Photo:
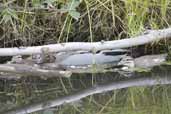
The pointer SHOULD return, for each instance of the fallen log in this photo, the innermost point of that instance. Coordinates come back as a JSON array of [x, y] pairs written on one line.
[[28, 70], [151, 36], [55, 70]]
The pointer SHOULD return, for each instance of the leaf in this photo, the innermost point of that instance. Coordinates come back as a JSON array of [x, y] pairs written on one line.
[[7, 15], [73, 4], [36, 3], [74, 14], [70, 7], [5, 19], [50, 1], [13, 13]]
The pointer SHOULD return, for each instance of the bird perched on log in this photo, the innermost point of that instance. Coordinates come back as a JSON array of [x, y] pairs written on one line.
[[44, 57], [115, 57], [84, 61]]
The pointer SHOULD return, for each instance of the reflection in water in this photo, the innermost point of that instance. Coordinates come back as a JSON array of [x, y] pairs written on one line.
[[127, 100]]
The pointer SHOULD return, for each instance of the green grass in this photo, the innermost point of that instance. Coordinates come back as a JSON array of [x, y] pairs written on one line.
[[98, 20]]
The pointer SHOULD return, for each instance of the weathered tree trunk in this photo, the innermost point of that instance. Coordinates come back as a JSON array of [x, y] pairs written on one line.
[[151, 36]]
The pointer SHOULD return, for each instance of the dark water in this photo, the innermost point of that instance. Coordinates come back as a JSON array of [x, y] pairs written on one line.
[[15, 94]]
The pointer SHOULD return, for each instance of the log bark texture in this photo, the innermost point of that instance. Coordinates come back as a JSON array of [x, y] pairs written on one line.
[[151, 36]]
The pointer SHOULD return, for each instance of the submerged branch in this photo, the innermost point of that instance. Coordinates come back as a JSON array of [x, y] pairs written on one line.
[[25, 70], [141, 81], [154, 35]]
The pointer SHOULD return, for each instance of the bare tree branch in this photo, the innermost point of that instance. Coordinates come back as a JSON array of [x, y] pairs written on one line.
[[141, 81], [154, 35]]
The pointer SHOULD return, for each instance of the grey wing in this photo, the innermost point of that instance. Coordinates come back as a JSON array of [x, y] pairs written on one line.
[[104, 57]]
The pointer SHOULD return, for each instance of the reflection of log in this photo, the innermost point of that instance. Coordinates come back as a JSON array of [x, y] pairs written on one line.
[[142, 81], [153, 35], [25, 70]]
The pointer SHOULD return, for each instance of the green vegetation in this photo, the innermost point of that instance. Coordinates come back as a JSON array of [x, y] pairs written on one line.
[[35, 22]]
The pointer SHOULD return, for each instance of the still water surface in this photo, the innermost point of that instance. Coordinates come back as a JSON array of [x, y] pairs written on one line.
[[25, 92]]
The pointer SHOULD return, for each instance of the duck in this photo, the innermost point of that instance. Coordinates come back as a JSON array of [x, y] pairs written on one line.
[[107, 58]]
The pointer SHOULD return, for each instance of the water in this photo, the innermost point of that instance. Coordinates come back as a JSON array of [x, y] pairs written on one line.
[[28, 91]]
